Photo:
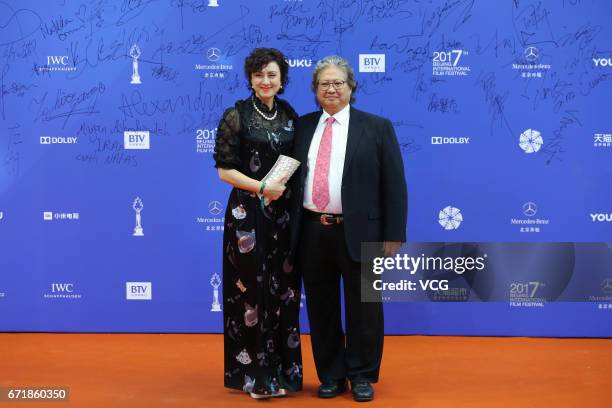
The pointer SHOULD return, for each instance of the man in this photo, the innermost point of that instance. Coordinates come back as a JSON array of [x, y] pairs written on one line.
[[350, 189]]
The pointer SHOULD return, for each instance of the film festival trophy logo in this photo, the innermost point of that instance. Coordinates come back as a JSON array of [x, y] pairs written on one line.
[[135, 54], [215, 281], [137, 206]]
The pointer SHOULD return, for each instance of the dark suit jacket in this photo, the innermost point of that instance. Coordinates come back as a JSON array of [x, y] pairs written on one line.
[[374, 196]]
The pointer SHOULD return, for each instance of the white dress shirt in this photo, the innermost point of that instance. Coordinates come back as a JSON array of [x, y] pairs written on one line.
[[336, 165]]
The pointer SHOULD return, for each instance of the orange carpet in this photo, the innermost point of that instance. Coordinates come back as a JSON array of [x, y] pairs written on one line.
[[186, 370]]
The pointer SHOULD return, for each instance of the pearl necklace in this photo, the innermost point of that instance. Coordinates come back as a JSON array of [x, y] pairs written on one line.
[[262, 114]]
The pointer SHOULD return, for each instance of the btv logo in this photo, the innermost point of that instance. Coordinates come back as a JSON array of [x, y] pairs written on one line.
[[62, 287], [138, 290], [602, 62], [371, 62], [136, 140], [601, 217], [57, 60]]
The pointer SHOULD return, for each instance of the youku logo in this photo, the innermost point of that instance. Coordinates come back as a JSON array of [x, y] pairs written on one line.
[[299, 63], [601, 217], [602, 62]]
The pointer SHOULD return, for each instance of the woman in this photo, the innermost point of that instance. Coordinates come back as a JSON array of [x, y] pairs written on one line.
[[261, 291]]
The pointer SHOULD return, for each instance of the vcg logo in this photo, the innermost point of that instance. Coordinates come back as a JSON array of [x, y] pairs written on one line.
[[299, 63], [57, 60], [62, 287], [602, 62], [138, 291], [601, 217], [136, 140], [371, 62]]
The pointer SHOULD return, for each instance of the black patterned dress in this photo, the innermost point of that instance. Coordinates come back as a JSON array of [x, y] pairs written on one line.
[[261, 291]]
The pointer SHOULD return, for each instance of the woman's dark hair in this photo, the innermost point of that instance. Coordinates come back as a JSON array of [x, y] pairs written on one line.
[[259, 58]]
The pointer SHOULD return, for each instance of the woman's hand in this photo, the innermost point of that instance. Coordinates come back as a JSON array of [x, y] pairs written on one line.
[[274, 189]]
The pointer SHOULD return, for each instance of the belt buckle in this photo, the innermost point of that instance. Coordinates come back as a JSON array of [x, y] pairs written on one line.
[[324, 220]]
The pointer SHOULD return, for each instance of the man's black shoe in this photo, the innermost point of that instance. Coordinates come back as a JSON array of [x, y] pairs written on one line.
[[331, 389], [362, 391]]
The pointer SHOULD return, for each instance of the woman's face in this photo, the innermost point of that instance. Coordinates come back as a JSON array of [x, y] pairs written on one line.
[[267, 82]]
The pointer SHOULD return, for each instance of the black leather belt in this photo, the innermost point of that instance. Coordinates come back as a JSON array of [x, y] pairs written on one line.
[[324, 218]]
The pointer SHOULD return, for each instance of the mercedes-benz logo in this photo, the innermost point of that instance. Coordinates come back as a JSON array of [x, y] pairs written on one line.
[[213, 54], [531, 54], [530, 209], [215, 207], [606, 286]]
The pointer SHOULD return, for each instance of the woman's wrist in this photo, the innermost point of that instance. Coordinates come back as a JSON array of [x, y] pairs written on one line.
[[262, 187]]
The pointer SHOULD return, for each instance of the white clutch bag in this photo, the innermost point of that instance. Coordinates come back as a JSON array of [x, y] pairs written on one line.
[[284, 167]]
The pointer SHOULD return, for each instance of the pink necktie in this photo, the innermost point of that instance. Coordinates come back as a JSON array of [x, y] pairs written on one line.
[[320, 186]]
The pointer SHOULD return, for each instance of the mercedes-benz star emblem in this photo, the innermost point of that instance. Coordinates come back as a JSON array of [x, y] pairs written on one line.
[[530, 209], [531, 54], [215, 207], [606, 286], [213, 54]]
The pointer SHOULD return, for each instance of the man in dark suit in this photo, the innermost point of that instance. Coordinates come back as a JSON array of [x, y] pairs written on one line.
[[349, 189]]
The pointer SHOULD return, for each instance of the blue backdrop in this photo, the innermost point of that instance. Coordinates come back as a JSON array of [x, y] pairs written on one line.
[[501, 109]]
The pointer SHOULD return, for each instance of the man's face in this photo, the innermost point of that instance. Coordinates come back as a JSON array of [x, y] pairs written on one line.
[[333, 93]]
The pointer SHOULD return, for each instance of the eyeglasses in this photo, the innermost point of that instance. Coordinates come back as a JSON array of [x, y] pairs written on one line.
[[324, 86]]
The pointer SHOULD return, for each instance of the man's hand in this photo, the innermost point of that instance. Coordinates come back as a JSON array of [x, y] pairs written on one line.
[[390, 248]]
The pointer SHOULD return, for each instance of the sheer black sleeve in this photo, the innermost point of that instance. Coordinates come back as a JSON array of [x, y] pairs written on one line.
[[227, 145], [291, 113]]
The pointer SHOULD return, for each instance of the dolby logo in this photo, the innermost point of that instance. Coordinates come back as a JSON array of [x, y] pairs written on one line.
[[601, 217], [299, 63], [602, 62], [57, 140], [439, 140]]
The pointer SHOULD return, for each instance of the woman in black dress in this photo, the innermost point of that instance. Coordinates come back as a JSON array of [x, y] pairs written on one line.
[[261, 291]]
